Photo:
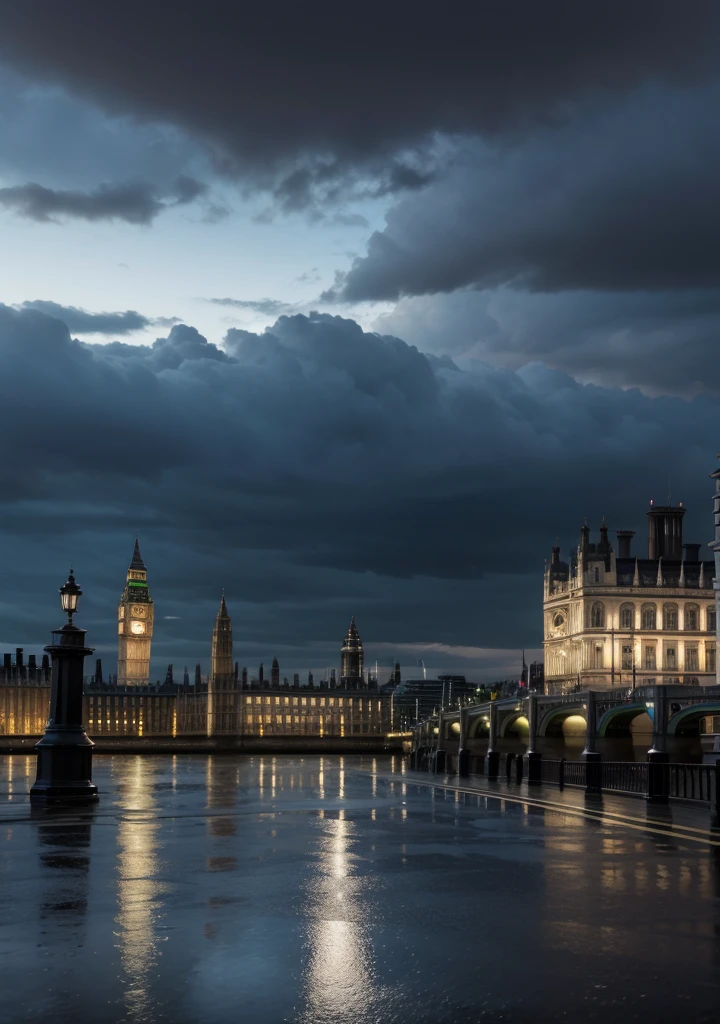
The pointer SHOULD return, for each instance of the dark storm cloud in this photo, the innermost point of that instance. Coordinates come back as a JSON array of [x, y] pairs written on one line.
[[136, 203], [314, 462], [81, 321], [658, 341], [266, 85], [268, 307], [629, 200]]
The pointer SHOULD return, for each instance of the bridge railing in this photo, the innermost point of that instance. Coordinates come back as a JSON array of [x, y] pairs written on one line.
[[695, 782], [692, 782], [624, 776]]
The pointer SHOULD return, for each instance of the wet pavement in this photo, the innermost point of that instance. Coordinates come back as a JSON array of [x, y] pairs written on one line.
[[345, 891]]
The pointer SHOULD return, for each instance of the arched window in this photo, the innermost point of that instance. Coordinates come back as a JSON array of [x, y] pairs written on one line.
[[627, 616], [597, 615], [670, 616], [711, 618], [692, 616], [649, 616]]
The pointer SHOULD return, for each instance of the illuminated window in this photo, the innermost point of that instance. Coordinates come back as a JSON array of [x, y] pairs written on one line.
[[649, 616], [670, 616], [627, 616], [597, 615]]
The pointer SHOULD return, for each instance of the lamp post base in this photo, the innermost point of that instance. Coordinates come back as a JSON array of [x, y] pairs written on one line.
[[64, 769]]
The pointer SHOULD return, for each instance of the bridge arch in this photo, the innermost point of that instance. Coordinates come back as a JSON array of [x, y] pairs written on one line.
[[620, 718], [514, 724], [479, 727], [551, 724], [689, 715]]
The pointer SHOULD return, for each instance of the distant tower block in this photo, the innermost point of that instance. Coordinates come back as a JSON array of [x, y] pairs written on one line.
[[136, 615], [351, 659], [275, 674], [222, 686]]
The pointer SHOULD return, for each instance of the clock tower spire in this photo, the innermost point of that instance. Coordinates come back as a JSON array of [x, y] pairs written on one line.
[[136, 615]]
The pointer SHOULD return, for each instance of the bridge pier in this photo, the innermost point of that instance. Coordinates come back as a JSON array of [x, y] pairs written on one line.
[[463, 765], [591, 757], [658, 791], [492, 757], [533, 760]]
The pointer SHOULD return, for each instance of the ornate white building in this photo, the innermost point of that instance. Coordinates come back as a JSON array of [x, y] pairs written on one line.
[[715, 545], [612, 618]]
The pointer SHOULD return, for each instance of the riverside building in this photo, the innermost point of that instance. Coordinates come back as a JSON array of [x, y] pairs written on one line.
[[616, 618]]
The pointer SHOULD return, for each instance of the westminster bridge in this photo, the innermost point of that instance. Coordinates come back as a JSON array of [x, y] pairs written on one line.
[[576, 738]]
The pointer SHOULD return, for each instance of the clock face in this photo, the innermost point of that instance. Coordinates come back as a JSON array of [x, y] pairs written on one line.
[[137, 628], [138, 611], [559, 625]]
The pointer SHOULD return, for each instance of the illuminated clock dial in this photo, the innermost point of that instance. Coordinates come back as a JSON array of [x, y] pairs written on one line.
[[137, 628]]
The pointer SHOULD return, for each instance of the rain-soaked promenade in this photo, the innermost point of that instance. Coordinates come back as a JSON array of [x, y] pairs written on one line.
[[341, 890]]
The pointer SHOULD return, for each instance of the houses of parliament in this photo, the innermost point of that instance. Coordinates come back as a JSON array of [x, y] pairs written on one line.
[[226, 702]]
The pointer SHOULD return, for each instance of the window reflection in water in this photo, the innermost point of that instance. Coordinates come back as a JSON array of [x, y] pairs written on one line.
[[139, 891]]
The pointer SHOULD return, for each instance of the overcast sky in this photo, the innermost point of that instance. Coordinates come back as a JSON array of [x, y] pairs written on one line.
[[349, 312]]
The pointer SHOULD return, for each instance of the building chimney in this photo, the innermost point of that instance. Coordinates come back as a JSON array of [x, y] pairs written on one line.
[[665, 531], [624, 540], [691, 552]]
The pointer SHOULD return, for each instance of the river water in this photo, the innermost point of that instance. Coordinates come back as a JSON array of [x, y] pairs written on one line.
[[341, 891]]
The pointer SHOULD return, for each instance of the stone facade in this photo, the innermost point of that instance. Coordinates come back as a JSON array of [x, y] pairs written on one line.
[[351, 658], [222, 708], [715, 545], [614, 619], [136, 616]]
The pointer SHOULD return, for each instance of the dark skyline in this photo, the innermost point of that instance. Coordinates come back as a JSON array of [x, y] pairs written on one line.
[[427, 290]]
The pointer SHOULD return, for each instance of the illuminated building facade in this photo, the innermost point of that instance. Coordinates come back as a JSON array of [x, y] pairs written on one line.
[[222, 685], [614, 619], [351, 659], [135, 625], [715, 545]]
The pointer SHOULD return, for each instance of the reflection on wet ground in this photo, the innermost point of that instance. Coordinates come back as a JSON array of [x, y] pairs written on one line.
[[343, 891]]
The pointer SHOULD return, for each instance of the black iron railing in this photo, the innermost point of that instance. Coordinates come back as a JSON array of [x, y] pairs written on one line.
[[624, 776], [692, 781], [552, 772], [575, 773]]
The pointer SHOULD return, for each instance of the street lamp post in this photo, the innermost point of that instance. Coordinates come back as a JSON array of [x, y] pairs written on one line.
[[64, 754]]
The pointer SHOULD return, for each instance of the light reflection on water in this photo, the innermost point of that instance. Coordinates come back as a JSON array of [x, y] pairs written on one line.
[[332, 897], [338, 981], [139, 894]]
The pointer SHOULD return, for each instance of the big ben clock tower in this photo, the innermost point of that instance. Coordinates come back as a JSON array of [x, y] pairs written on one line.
[[135, 625]]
